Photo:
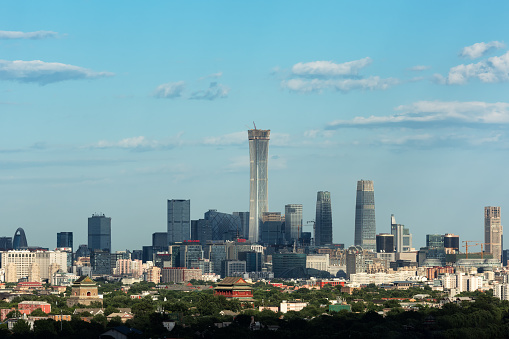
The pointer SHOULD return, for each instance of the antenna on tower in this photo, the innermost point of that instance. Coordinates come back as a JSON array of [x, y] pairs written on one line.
[[254, 125]]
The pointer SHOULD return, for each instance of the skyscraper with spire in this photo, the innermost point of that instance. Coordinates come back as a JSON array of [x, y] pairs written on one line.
[[365, 225], [258, 192]]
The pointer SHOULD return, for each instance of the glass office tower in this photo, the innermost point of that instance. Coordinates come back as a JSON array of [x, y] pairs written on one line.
[[293, 222], [258, 193], [179, 220], [365, 225], [323, 221], [99, 233], [64, 239]]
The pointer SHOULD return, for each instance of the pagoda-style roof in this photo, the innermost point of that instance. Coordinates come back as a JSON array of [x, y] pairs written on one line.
[[84, 280], [232, 281]]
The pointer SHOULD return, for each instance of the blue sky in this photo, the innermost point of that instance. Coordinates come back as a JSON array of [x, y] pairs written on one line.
[[115, 107]]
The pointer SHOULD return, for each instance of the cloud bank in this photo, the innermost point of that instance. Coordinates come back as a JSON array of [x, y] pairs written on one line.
[[437, 113], [215, 91], [44, 73], [491, 70], [317, 76], [170, 90], [8, 35], [480, 49]]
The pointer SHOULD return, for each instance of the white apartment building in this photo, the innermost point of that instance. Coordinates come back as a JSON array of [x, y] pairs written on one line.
[[22, 261], [382, 278], [318, 261]]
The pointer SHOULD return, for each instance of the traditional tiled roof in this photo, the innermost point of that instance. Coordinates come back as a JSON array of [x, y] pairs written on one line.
[[84, 280], [232, 281]]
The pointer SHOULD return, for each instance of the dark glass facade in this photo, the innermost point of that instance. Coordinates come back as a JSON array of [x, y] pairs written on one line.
[[64, 239], [99, 233], [5, 243], [434, 241], [19, 240], [160, 239], [323, 221], [385, 243], [201, 230], [365, 224], [224, 226], [179, 220]]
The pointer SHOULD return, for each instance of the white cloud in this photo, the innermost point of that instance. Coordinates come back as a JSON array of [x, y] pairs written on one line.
[[7, 35], [494, 69], [343, 85], [215, 91], [419, 68], [405, 139], [236, 138], [170, 90], [134, 142], [329, 68], [440, 113], [480, 49], [44, 73], [212, 76]]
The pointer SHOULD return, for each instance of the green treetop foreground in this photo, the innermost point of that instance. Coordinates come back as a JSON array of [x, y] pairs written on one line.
[[198, 312]]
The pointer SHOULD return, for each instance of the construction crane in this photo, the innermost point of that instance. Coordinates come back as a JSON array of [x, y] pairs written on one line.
[[486, 243], [254, 125], [467, 245]]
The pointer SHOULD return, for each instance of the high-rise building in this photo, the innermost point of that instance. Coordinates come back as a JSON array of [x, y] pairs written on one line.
[[402, 236], [434, 240], [365, 225], [5, 243], [179, 220], [271, 228], [64, 239], [201, 230], [160, 239], [244, 223], [19, 241], [224, 226], [99, 233], [258, 192], [385, 243], [451, 243], [293, 222], [323, 221], [493, 231]]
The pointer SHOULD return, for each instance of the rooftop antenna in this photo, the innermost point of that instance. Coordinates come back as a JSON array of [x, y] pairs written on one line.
[[254, 125]]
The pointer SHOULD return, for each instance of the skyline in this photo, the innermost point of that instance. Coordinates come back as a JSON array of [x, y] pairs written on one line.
[[151, 102]]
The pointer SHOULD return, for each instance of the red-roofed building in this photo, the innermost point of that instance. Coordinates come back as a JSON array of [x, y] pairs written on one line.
[[27, 307], [234, 288], [28, 286]]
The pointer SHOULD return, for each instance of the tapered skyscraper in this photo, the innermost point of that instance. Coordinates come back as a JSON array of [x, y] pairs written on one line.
[[365, 226], [493, 231], [323, 221], [258, 193]]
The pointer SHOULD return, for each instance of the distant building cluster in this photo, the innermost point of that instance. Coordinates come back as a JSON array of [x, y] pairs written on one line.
[[263, 244]]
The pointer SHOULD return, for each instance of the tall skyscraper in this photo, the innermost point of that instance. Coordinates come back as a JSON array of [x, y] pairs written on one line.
[[258, 193], [99, 233], [64, 239], [493, 231], [293, 222], [365, 225], [179, 220], [323, 220]]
